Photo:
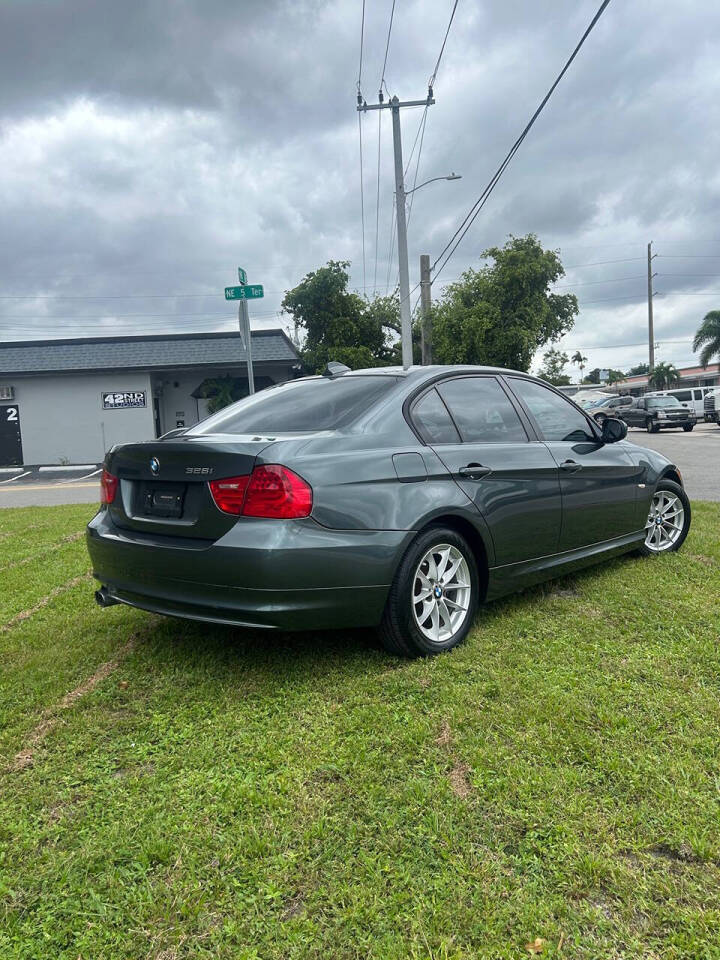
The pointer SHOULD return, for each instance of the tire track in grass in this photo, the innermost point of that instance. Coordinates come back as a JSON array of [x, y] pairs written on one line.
[[52, 715], [51, 548], [55, 592]]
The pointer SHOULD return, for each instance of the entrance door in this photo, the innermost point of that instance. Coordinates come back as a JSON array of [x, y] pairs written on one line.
[[10, 440]]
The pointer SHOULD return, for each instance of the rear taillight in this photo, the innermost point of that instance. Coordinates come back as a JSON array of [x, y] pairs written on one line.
[[229, 494], [108, 487], [271, 491]]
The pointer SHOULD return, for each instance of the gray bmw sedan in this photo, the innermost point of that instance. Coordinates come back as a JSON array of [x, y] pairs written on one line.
[[393, 498]]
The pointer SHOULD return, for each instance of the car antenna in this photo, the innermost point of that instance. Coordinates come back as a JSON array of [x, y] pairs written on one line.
[[334, 369]]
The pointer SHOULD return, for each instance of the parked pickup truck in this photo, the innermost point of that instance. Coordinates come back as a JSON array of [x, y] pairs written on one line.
[[657, 413], [711, 408]]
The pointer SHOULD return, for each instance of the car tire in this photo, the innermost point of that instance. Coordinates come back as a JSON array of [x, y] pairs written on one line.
[[671, 494], [410, 627], [651, 426], [688, 428]]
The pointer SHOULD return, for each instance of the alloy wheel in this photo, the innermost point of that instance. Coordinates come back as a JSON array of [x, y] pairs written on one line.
[[441, 592], [665, 522]]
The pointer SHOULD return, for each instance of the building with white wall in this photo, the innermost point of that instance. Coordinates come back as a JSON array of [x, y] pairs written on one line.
[[68, 401]]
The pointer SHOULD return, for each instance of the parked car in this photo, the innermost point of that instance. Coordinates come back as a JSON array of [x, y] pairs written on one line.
[[658, 413], [692, 398], [392, 498], [711, 407], [602, 409]]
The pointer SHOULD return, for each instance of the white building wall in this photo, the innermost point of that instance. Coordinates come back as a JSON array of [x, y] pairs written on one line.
[[62, 419]]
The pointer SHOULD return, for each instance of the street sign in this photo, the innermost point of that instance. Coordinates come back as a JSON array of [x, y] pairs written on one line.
[[242, 276], [253, 291]]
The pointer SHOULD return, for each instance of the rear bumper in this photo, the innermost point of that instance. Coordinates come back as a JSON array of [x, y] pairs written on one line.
[[290, 575]]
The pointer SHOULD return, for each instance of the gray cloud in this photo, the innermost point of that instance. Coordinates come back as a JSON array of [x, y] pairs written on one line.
[[149, 148]]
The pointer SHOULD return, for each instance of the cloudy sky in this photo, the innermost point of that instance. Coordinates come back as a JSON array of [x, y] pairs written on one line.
[[148, 148]]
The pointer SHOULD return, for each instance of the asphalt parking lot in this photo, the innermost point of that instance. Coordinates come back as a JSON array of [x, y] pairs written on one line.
[[697, 454]]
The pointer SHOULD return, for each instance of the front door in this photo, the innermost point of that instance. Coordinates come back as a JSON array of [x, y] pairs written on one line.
[[10, 439], [512, 480], [599, 481]]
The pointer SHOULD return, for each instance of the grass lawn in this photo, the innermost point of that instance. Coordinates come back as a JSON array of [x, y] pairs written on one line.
[[171, 790]]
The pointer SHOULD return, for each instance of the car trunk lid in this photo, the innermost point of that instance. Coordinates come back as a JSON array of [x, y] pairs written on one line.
[[163, 486]]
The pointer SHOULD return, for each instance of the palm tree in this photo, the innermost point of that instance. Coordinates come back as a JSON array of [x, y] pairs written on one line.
[[708, 337], [664, 376], [579, 360]]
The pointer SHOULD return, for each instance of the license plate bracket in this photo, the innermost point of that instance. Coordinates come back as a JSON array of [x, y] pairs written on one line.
[[164, 502]]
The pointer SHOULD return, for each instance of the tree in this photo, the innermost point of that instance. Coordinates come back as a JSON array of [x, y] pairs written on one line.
[[579, 360], [340, 325], [708, 337], [503, 313], [554, 362], [612, 376], [663, 376], [638, 370]]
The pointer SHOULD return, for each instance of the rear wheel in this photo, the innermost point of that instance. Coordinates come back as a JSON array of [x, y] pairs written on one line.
[[434, 596], [688, 427], [668, 521]]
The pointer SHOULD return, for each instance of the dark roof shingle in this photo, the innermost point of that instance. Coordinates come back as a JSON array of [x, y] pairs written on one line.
[[143, 353]]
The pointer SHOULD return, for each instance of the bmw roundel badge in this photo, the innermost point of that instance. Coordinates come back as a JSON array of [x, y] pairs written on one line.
[[154, 466]]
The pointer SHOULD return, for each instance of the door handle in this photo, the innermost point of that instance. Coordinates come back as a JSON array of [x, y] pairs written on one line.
[[570, 466], [475, 471]]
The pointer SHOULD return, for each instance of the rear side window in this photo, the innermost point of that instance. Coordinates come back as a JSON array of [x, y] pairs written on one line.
[[300, 406], [432, 420], [555, 416], [482, 411]]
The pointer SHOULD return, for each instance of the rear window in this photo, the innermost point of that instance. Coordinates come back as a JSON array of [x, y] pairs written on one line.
[[300, 406]]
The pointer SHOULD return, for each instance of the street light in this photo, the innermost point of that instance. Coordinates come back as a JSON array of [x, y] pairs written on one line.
[[450, 176]]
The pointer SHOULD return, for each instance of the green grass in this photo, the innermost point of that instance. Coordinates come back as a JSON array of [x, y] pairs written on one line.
[[226, 794]]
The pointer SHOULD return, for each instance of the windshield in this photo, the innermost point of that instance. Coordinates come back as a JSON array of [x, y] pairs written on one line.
[[299, 406], [663, 402]]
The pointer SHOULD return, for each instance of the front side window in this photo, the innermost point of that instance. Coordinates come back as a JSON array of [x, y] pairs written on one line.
[[556, 418], [300, 406], [482, 411]]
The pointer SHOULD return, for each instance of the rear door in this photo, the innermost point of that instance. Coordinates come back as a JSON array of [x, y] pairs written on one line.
[[598, 481], [475, 429]]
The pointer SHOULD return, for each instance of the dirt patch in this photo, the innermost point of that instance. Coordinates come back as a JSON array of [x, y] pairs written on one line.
[[459, 782], [293, 907], [708, 561], [53, 716], [444, 738], [26, 614]]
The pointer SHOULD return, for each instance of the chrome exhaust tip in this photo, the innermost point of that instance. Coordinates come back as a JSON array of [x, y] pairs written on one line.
[[103, 598]]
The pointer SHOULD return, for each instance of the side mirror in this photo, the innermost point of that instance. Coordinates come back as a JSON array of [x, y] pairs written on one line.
[[613, 430]]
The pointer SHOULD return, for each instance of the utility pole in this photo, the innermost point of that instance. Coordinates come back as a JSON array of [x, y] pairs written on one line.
[[426, 323], [244, 321], [651, 329], [395, 105]]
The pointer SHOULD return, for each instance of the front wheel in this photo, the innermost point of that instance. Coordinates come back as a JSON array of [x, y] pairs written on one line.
[[688, 427], [651, 426], [668, 521], [434, 596]]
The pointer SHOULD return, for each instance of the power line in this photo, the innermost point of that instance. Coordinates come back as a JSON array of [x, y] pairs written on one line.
[[377, 206], [387, 47], [431, 81], [362, 186], [600, 263], [459, 234], [417, 164], [362, 196], [592, 283]]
